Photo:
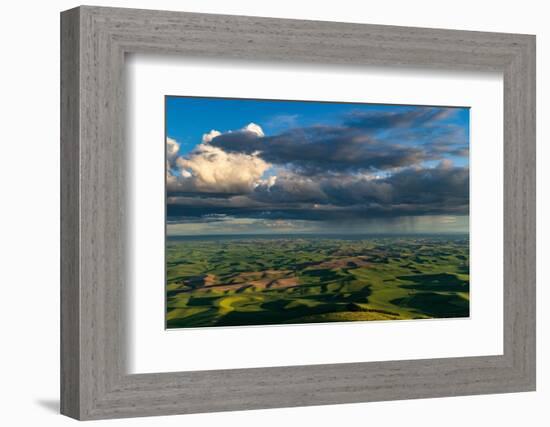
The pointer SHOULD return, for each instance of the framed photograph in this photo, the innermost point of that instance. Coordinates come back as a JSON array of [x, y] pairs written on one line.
[[332, 213], [262, 213]]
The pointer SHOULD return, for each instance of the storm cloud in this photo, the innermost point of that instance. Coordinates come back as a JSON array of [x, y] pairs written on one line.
[[387, 163], [411, 192], [364, 142]]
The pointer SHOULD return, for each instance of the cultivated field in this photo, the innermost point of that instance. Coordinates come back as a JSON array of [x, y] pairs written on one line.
[[306, 279]]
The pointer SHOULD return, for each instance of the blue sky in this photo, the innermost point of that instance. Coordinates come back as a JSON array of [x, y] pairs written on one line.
[[188, 118], [259, 166]]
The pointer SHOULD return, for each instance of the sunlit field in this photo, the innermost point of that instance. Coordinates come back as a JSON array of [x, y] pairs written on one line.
[[261, 280]]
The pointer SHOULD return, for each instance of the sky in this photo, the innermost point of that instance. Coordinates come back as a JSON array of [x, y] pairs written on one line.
[[245, 166]]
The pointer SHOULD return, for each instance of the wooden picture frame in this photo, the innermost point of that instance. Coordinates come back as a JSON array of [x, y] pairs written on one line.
[[94, 381]]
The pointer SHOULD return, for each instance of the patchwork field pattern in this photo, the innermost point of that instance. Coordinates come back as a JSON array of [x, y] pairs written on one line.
[[261, 280]]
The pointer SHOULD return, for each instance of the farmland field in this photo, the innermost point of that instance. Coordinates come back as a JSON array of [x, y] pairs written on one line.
[[260, 280]]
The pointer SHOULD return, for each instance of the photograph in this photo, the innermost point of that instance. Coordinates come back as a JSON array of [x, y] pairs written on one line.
[[314, 212], [287, 212]]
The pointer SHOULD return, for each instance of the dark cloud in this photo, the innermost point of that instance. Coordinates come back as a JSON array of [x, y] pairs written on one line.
[[322, 149], [373, 165], [366, 141], [413, 118], [410, 192]]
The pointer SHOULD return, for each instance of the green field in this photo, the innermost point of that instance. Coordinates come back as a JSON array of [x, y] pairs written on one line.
[[308, 279]]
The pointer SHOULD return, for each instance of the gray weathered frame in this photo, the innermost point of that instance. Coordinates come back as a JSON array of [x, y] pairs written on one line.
[[94, 41]]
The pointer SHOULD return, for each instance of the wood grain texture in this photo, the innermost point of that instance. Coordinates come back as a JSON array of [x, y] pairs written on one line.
[[95, 383], [70, 297]]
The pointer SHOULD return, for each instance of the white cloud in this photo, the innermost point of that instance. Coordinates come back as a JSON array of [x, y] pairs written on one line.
[[172, 148], [208, 137], [268, 182], [254, 128], [210, 169], [170, 178], [251, 127]]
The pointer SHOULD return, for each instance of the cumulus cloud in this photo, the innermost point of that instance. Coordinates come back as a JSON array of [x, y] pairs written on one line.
[[442, 190], [266, 183], [372, 165], [251, 130], [321, 149], [208, 137], [172, 148], [210, 169], [254, 128], [289, 188], [365, 141]]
